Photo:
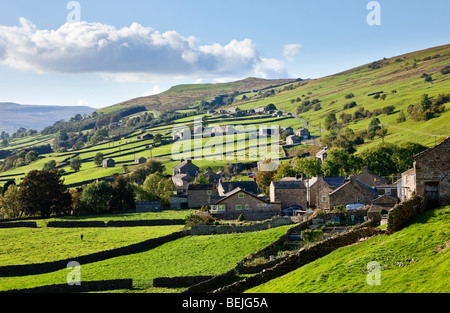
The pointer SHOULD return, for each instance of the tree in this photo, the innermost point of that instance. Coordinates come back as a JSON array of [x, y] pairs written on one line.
[[330, 121], [123, 195], [50, 165], [309, 167], [285, 170], [11, 204], [271, 107], [98, 159], [157, 188], [96, 198], [158, 139], [75, 164], [340, 163], [380, 159], [425, 103], [264, 179], [44, 193], [31, 156]]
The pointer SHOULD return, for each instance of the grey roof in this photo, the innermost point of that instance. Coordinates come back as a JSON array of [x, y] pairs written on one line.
[[235, 191], [249, 186], [185, 164], [200, 187], [293, 184]]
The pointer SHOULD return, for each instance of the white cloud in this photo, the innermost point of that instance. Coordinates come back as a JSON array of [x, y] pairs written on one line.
[[290, 51], [82, 102], [129, 54]]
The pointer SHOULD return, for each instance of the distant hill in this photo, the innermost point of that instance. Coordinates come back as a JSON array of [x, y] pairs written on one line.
[[185, 96], [14, 116]]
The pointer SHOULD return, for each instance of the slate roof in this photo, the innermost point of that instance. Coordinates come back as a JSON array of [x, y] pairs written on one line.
[[293, 184], [248, 186]]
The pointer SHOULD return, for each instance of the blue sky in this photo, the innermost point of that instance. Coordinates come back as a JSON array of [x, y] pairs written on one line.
[[127, 49]]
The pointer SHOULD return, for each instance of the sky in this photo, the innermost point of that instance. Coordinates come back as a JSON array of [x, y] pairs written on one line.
[[99, 53]]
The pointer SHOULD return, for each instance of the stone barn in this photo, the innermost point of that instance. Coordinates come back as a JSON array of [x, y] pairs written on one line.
[[109, 163], [431, 176]]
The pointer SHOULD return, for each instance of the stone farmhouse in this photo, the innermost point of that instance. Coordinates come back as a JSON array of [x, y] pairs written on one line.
[[303, 133], [322, 155], [430, 176], [199, 195], [319, 189], [353, 191], [186, 167], [239, 201], [293, 140], [248, 186], [289, 193]]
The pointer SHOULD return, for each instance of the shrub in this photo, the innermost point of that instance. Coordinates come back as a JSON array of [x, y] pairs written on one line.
[[241, 218], [445, 70], [311, 236], [199, 218], [388, 110]]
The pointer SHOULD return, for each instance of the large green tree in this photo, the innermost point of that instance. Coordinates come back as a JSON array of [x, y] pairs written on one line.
[[43, 192], [96, 198]]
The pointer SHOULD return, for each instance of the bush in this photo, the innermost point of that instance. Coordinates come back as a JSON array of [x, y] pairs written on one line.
[[199, 218], [445, 70], [241, 218], [311, 236]]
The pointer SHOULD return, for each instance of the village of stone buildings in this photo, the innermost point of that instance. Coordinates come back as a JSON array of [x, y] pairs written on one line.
[[364, 196]]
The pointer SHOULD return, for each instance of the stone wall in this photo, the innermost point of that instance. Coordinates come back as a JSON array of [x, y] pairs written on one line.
[[76, 224], [88, 286], [19, 225], [179, 282], [403, 212], [200, 230]]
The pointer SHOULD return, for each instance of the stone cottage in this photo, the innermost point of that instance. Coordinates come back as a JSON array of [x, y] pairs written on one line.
[[352, 192], [369, 178], [224, 187], [289, 193], [319, 189], [303, 133], [239, 201], [293, 140], [186, 167], [199, 195], [430, 176]]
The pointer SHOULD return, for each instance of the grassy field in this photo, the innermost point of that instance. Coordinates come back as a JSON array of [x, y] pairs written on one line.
[[414, 260], [194, 255]]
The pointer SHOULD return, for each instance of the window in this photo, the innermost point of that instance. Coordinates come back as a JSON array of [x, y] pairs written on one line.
[[241, 196], [247, 207], [209, 192], [388, 192], [324, 199], [238, 207]]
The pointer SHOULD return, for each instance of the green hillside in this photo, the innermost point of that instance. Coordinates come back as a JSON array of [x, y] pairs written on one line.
[[400, 78], [414, 260], [185, 96]]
